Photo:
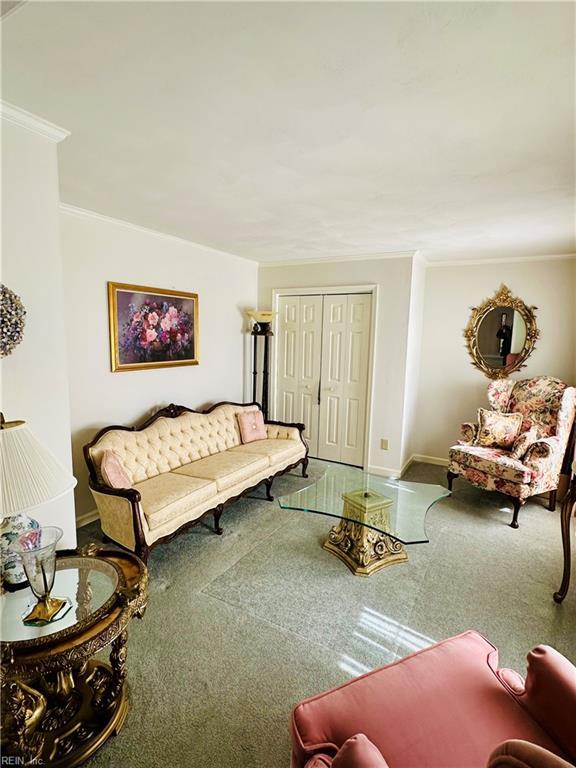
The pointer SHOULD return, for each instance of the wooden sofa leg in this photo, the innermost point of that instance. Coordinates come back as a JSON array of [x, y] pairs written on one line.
[[305, 467], [517, 504], [217, 514], [268, 484], [451, 477], [143, 552], [552, 500]]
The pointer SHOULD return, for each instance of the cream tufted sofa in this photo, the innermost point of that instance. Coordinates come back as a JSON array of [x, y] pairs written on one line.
[[184, 465]]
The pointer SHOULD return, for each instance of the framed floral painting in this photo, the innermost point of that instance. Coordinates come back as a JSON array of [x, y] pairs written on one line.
[[151, 327]]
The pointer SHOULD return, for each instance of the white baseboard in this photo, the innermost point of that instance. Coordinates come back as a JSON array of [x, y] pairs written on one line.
[[389, 472], [429, 459], [407, 464], [87, 517], [384, 471]]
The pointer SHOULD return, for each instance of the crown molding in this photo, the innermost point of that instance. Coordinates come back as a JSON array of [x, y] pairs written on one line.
[[84, 213], [32, 123], [8, 8], [418, 255], [501, 260], [420, 258], [333, 259]]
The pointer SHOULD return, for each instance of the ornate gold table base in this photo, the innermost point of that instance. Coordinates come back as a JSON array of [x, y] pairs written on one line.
[[363, 549], [62, 719], [59, 704]]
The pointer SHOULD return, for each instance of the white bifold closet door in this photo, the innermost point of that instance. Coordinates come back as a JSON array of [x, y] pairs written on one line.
[[298, 363], [344, 378], [322, 371]]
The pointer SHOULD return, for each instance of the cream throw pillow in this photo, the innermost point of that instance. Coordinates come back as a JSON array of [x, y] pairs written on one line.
[[498, 430]]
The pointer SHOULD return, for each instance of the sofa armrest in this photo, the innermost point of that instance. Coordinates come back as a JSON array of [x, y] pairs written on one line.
[[542, 449], [356, 752], [276, 432], [322, 723], [131, 494], [550, 696], [468, 432], [120, 514], [281, 430], [516, 753]]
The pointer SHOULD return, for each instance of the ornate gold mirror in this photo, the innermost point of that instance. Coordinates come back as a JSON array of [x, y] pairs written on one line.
[[501, 334]]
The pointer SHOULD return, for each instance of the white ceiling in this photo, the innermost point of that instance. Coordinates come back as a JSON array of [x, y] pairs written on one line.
[[282, 131]]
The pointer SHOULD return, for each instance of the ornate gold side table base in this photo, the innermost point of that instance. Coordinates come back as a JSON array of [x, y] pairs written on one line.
[[59, 704], [75, 713], [364, 550]]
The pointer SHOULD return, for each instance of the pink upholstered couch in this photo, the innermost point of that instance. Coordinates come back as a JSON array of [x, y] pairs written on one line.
[[448, 706]]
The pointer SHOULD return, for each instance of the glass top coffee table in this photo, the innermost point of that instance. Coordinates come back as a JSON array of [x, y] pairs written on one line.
[[377, 515]]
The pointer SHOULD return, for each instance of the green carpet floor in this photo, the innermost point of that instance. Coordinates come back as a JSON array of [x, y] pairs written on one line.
[[239, 627]]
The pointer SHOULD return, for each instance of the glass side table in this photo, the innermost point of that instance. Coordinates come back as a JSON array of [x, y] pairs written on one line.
[[59, 705]]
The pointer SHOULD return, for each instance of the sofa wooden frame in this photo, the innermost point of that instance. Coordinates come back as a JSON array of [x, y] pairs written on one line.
[[142, 548]]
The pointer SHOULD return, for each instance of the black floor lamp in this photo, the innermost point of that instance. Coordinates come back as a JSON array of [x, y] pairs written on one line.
[[261, 329]]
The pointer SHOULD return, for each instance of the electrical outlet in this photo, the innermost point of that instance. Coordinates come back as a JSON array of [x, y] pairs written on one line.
[[384, 444]]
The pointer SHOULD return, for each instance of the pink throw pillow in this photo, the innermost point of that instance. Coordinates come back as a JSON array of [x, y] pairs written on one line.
[[252, 426], [359, 752], [113, 473]]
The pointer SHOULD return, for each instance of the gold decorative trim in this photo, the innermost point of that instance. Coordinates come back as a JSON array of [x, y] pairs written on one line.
[[115, 363], [58, 705], [502, 298], [65, 562], [364, 550]]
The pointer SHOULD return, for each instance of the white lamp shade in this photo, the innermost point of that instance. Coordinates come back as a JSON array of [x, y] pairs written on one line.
[[29, 474]]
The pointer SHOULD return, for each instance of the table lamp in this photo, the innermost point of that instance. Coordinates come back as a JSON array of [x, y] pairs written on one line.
[[30, 476]]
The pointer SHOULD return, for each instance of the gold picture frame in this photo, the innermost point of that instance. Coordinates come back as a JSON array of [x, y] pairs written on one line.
[[502, 299], [151, 327]]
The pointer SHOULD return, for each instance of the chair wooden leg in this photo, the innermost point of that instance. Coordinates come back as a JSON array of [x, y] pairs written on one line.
[[451, 477], [517, 504], [568, 510], [268, 484], [552, 500]]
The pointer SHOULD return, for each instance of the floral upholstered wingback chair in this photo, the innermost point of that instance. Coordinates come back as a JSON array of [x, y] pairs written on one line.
[[518, 447]]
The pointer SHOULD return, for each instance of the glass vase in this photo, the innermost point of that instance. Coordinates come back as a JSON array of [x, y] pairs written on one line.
[[37, 550]]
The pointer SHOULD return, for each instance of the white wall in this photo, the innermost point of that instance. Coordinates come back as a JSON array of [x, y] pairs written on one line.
[[97, 250], [574, 316], [450, 389], [35, 376], [413, 357], [393, 278]]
